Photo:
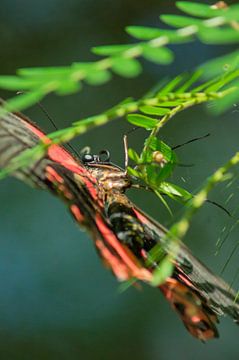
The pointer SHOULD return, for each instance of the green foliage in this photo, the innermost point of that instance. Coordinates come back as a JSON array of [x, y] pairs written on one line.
[[162, 272], [217, 80], [160, 107], [207, 23], [206, 11], [161, 55], [142, 121], [180, 228], [153, 110], [126, 67]]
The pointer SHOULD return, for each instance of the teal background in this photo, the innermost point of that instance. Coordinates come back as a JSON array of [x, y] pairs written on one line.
[[56, 299]]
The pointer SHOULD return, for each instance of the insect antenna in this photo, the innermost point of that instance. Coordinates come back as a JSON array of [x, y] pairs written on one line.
[[189, 165], [47, 115], [55, 127], [39, 104], [219, 206], [190, 141]]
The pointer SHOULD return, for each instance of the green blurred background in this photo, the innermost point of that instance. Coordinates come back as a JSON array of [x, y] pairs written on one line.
[[56, 299]]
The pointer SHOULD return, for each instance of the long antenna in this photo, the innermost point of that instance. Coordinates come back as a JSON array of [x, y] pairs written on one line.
[[190, 141], [47, 115], [54, 125], [219, 206]]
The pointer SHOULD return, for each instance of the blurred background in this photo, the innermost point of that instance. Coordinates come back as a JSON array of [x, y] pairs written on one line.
[[56, 299]]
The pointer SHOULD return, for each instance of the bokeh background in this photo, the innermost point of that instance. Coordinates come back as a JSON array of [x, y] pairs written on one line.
[[56, 299]]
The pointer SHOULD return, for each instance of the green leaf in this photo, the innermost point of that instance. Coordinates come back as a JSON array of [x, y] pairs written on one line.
[[231, 13], [153, 110], [157, 174], [108, 50], [157, 253], [133, 172], [146, 154], [218, 36], [23, 101], [226, 103], [142, 121], [159, 55], [157, 193], [143, 33], [175, 191], [196, 9], [157, 171], [17, 83], [171, 85], [68, 86], [133, 155], [126, 284], [126, 67], [205, 85], [45, 72], [223, 80], [98, 77], [180, 21], [163, 271], [220, 64], [217, 83], [189, 82], [158, 145], [205, 11], [167, 171], [150, 33]]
